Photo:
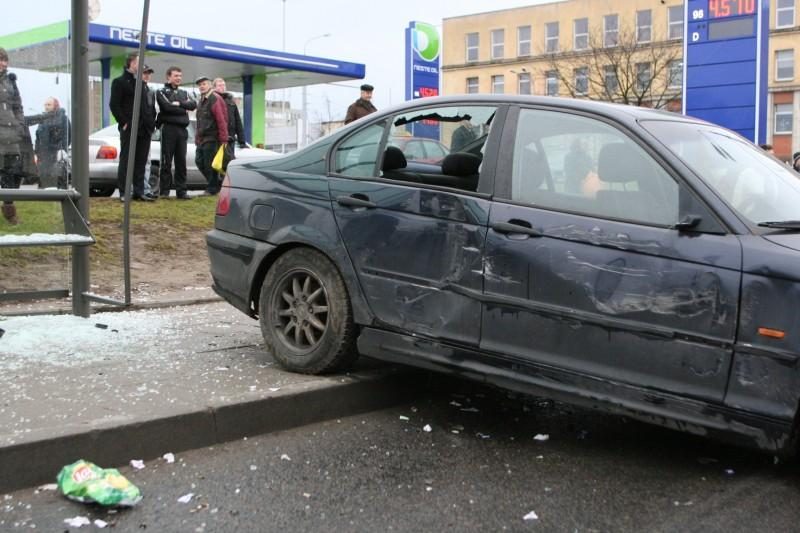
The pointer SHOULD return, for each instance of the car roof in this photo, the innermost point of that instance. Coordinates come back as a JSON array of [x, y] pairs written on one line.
[[619, 111]]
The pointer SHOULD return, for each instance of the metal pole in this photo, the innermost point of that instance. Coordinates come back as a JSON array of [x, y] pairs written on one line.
[[79, 44], [134, 126]]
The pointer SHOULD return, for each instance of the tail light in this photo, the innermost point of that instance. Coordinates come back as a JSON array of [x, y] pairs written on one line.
[[224, 198], [107, 152]]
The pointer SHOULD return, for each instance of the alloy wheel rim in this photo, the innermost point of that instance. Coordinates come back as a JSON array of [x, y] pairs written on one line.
[[300, 306]]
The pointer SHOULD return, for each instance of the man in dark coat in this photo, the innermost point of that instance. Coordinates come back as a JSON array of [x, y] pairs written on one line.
[[361, 107], [235, 126], [463, 135], [14, 136], [52, 137], [174, 105], [123, 92], [212, 132]]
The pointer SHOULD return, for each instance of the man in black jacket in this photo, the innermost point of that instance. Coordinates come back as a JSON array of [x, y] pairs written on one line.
[[174, 105], [123, 91], [235, 127]]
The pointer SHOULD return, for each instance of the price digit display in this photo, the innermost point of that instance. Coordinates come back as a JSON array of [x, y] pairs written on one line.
[[730, 8]]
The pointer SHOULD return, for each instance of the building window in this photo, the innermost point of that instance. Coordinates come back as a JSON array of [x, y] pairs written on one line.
[[611, 80], [551, 37], [643, 77], [582, 81], [675, 73], [472, 46], [581, 31], [524, 83], [784, 65], [551, 83], [610, 30], [524, 41], [498, 84], [472, 85], [675, 22], [783, 119], [784, 14], [498, 43], [644, 26]]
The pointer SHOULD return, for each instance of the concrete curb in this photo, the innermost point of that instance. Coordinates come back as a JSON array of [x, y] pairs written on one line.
[[37, 462]]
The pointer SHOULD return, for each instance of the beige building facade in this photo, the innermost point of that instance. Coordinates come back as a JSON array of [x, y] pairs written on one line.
[[557, 49]]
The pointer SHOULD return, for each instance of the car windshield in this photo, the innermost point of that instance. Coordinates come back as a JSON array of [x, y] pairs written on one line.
[[757, 186]]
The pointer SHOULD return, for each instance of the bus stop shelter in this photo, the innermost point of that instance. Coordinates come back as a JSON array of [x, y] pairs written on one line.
[[85, 50], [248, 70]]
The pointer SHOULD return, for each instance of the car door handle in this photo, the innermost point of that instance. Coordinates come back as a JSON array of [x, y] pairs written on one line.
[[356, 200], [516, 226]]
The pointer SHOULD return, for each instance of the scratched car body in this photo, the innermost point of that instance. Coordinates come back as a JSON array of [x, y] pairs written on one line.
[[622, 258]]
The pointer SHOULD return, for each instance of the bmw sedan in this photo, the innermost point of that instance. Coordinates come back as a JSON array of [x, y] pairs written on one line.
[[622, 258]]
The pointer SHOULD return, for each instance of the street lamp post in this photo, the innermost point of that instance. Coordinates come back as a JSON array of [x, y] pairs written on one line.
[[304, 138]]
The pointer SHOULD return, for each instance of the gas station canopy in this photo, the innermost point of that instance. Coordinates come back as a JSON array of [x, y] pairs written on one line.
[[251, 71], [45, 49]]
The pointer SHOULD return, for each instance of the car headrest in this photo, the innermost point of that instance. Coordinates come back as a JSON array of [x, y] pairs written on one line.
[[621, 163], [393, 159], [461, 164]]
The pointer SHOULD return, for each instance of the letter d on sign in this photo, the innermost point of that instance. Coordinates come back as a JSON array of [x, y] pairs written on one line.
[[695, 37]]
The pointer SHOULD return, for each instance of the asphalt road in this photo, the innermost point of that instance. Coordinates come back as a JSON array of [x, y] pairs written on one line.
[[479, 468]]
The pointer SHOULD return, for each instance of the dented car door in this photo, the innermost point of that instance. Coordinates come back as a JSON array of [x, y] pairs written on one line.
[[416, 247], [589, 268]]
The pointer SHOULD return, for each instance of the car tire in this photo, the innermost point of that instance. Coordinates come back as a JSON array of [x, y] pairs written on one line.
[[102, 191], [305, 314]]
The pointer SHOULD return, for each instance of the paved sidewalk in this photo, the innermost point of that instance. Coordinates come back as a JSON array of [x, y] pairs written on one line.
[[138, 384]]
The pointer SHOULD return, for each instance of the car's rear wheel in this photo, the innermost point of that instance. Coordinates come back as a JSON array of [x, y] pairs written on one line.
[[305, 314]]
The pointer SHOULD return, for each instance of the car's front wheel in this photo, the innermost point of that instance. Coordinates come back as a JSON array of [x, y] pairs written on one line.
[[305, 314]]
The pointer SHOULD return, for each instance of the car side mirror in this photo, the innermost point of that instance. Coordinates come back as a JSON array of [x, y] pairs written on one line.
[[688, 222]]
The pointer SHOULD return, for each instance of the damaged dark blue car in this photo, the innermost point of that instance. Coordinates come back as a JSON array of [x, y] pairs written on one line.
[[621, 258]]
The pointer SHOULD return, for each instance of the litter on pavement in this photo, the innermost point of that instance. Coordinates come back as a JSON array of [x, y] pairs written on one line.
[[169, 457], [186, 498], [531, 516], [88, 483]]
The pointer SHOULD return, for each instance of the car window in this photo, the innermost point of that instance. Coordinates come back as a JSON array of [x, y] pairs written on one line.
[[414, 150], [434, 150], [438, 146], [757, 186], [574, 163], [357, 156]]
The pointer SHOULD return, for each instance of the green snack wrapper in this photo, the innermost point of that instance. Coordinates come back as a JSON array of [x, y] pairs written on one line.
[[86, 482]]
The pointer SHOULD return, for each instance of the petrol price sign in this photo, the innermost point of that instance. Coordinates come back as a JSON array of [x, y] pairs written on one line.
[[725, 64]]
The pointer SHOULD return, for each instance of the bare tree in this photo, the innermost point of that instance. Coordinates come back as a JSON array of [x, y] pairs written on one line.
[[619, 67]]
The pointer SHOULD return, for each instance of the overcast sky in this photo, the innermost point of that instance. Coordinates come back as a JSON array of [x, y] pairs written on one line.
[[369, 32]]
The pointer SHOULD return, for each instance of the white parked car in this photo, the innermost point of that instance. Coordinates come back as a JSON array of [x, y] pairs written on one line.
[[104, 149]]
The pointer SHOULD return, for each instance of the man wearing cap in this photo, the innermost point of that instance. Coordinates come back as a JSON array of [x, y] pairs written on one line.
[[361, 107], [123, 91], [148, 118], [212, 131]]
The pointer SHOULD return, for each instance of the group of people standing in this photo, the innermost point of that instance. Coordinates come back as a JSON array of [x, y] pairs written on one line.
[[167, 109], [16, 147]]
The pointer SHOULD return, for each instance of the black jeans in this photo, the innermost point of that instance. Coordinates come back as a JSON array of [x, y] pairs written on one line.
[[173, 148], [203, 157], [139, 161], [11, 172]]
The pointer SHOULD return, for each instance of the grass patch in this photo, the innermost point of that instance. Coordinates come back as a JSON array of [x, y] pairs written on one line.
[[161, 226]]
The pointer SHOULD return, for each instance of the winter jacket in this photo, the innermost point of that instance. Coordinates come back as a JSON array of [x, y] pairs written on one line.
[[235, 127], [52, 133], [358, 109], [168, 112], [121, 104], [12, 120], [212, 120]]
